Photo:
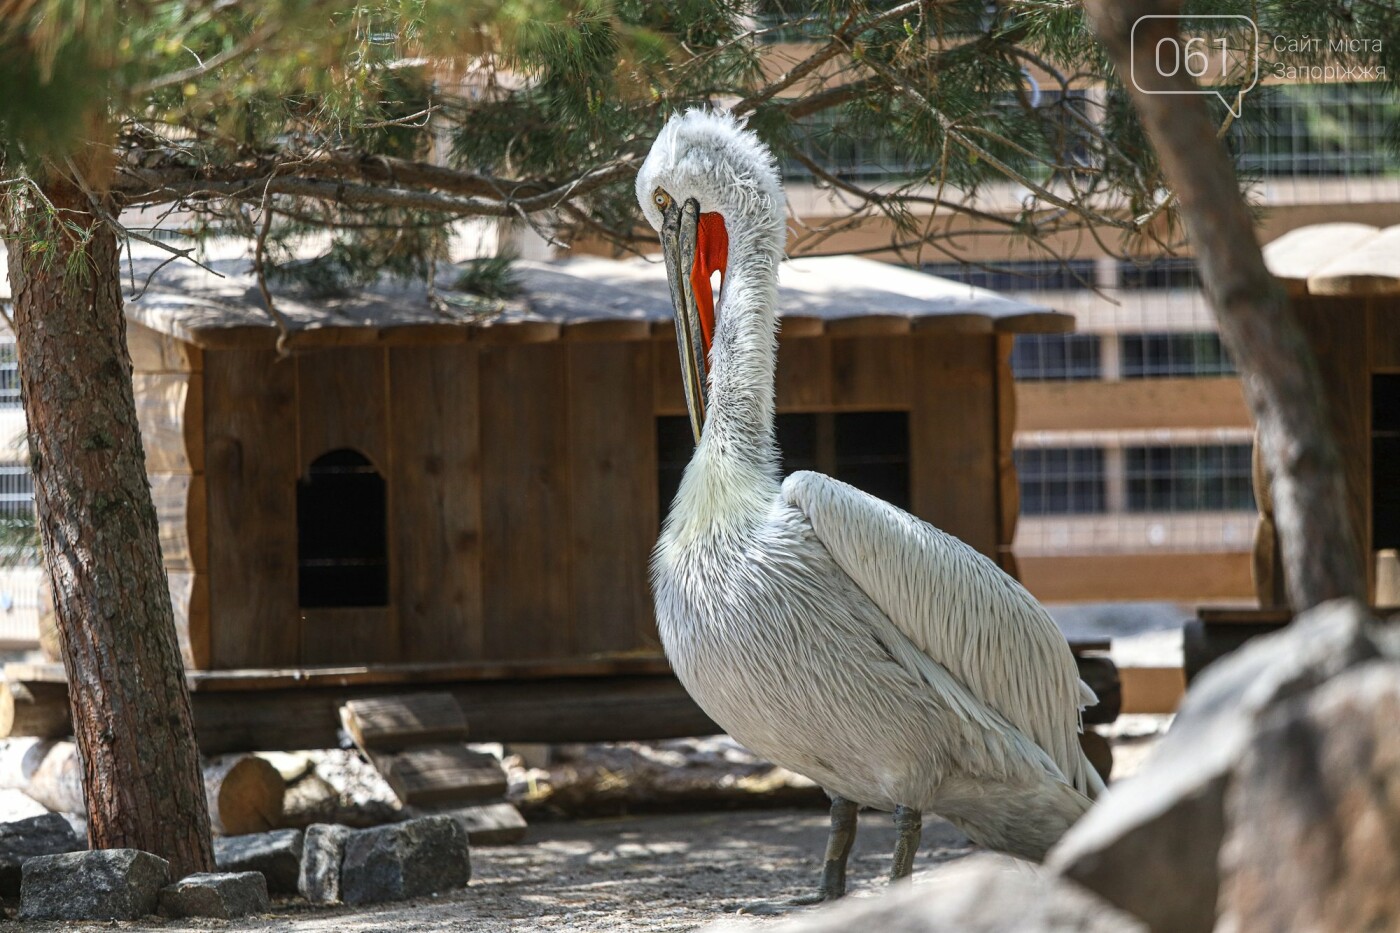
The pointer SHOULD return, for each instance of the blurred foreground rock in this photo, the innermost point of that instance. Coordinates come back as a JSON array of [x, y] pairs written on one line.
[[1314, 813], [1151, 845], [978, 894]]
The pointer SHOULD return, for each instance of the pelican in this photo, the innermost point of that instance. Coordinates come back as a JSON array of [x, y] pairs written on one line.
[[827, 630]]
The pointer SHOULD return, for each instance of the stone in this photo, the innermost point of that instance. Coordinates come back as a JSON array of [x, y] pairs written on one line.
[[222, 895], [104, 884], [276, 854], [321, 855], [1313, 814], [982, 893], [410, 859], [49, 834], [1151, 844]]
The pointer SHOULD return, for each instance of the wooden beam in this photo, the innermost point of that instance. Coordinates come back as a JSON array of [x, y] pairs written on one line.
[[1131, 404], [1181, 577]]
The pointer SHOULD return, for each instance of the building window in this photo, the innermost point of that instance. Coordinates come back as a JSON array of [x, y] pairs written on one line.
[[1056, 356], [869, 450], [342, 539], [1189, 478], [9, 373], [1019, 276], [1317, 129], [1061, 480], [1154, 356], [1164, 273]]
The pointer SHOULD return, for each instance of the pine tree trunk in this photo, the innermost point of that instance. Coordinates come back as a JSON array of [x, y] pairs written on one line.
[[1277, 366], [131, 708]]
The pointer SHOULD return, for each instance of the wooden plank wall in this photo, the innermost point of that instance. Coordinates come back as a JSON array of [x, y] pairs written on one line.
[[250, 419], [953, 437], [168, 378]]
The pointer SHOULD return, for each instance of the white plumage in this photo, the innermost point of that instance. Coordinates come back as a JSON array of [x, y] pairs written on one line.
[[823, 628]]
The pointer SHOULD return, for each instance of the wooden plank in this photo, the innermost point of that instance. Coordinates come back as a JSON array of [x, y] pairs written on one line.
[[390, 724], [804, 374], [1152, 689], [346, 634], [667, 392], [1132, 404], [491, 824], [189, 597], [1244, 615], [953, 437], [868, 325], [342, 402], [181, 510], [154, 352], [441, 774], [1383, 313], [435, 495], [612, 500], [170, 411], [871, 373], [1008, 484], [525, 501], [1337, 331], [1181, 577], [250, 430]]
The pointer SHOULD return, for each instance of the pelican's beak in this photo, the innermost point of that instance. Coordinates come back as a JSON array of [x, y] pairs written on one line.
[[679, 234], [696, 246]]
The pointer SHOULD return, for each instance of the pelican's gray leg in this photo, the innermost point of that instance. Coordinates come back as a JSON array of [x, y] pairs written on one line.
[[838, 850], [909, 824]]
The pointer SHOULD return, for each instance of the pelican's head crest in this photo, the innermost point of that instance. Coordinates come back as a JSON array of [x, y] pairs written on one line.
[[709, 156]]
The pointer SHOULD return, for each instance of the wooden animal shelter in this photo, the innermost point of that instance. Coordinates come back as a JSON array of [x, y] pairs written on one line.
[[417, 493], [1344, 290]]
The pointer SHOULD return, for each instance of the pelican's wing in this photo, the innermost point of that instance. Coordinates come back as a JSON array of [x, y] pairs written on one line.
[[960, 609]]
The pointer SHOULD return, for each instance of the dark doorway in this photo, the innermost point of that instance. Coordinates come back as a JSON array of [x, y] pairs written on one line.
[[342, 540]]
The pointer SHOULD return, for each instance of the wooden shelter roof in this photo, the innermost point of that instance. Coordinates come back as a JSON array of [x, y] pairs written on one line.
[[580, 298], [1337, 259]]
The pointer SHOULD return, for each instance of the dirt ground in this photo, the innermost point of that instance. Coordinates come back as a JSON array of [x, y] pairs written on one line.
[[658, 874]]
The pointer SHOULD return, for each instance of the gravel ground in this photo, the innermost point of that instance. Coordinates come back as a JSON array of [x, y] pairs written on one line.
[[657, 873]]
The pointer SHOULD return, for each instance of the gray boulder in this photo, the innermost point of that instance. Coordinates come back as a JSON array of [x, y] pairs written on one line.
[[403, 860], [48, 834], [1313, 815], [1151, 844], [223, 895], [321, 855], [979, 894], [276, 854], [104, 884]]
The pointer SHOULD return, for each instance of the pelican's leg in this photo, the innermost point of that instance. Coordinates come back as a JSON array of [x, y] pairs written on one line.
[[838, 850], [909, 824]]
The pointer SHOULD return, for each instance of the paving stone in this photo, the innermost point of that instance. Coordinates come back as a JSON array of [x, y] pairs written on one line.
[[321, 855], [403, 860], [49, 834], [276, 854], [104, 884], [223, 895]]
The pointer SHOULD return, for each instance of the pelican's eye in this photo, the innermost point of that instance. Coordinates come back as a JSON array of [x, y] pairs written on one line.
[[661, 199]]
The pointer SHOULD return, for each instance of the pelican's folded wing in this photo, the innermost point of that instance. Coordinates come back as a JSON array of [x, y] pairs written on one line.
[[960, 609]]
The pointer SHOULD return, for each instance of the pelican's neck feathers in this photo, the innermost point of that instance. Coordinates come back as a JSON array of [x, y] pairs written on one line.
[[732, 480]]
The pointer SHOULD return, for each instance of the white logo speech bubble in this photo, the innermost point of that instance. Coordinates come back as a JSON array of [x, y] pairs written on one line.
[[1193, 54]]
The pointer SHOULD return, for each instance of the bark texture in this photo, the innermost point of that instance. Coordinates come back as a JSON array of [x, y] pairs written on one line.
[[1277, 366], [131, 709]]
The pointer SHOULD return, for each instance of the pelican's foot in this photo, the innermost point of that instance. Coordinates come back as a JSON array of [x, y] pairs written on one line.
[[773, 908]]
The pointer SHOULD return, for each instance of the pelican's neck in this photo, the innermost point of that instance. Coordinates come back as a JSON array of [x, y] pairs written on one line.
[[733, 476]]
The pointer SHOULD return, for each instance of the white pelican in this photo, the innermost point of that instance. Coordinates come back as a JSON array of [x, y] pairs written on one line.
[[825, 629]]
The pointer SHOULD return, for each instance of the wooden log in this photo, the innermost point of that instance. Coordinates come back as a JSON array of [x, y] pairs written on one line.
[[439, 774], [563, 709], [50, 772], [245, 795], [387, 724], [35, 709]]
